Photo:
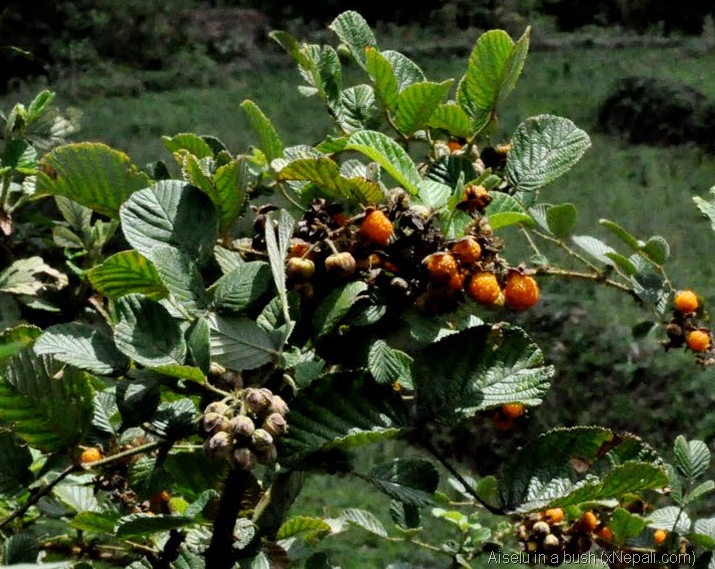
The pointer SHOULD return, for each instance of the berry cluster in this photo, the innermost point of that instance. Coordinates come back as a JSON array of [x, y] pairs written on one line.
[[231, 427], [685, 328]]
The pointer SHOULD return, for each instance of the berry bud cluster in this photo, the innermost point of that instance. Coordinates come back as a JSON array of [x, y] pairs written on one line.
[[244, 430]]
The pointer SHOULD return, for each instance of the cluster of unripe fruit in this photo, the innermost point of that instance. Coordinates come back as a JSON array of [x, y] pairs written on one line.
[[396, 247], [244, 430], [684, 328]]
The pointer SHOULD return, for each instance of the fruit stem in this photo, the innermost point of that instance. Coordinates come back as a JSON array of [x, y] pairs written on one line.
[[596, 277]]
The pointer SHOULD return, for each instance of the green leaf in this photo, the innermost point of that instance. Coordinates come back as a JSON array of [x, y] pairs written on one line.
[[147, 333], [47, 404], [189, 142], [692, 458], [340, 411], [231, 184], [669, 518], [365, 520], [543, 148], [105, 416], [95, 522], [198, 342], [305, 528], [625, 525], [92, 174], [30, 276], [82, 346], [406, 71], [656, 249], [189, 373], [561, 219], [170, 212], [240, 343], [77, 497], [21, 550], [137, 400], [144, 524], [357, 109], [502, 365], [271, 144], [277, 243], [699, 491], [176, 420], [451, 118], [621, 233], [594, 248], [411, 482], [707, 208], [704, 527], [434, 194], [388, 365], [336, 305], [125, 273], [238, 290], [181, 277], [15, 462], [504, 210], [14, 340], [389, 155], [569, 466], [355, 33], [326, 174], [417, 102], [383, 77], [492, 71]]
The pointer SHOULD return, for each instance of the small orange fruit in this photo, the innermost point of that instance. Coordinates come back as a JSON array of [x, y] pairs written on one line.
[[521, 291], [686, 301], [376, 227], [605, 533], [698, 340], [553, 516], [484, 287], [441, 267], [589, 521], [454, 146], [659, 536], [512, 410], [456, 282], [92, 454], [467, 250]]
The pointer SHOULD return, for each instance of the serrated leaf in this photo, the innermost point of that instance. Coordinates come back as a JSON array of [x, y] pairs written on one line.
[[189, 142], [226, 259], [543, 148], [434, 194], [92, 174], [357, 109], [625, 525], [189, 474], [277, 243], [389, 155], [412, 482], [335, 306], [84, 347], [47, 404], [451, 118], [561, 219], [15, 462], [20, 551], [417, 102], [692, 458], [406, 71], [240, 343], [176, 420], [621, 233], [705, 527], [492, 71], [147, 333], [594, 248], [669, 518], [198, 342], [303, 527], [388, 365], [181, 277], [78, 497], [173, 213], [699, 491], [355, 33], [231, 184], [144, 524], [14, 340], [383, 77], [341, 411], [124, 273], [568, 466], [505, 210], [364, 519], [656, 249], [95, 522], [270, 141], [502, 365], [105, 417], [237, 290]]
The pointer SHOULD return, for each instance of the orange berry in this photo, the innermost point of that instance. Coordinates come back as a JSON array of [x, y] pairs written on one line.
[[484, 288], [605, 533], [376, 227], [91, 454], [686, 301], [521, 292], [553, 515], [698, 340], [502, 423], [467, 250], [440, 266], [589, 521], [454, 146], [456, 282], [659, 536], [512, 410]]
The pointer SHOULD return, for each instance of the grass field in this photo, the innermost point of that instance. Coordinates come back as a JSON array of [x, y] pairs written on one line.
[[648, 190]]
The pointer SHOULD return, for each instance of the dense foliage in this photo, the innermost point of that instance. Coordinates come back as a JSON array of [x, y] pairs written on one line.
[[182, 346]]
